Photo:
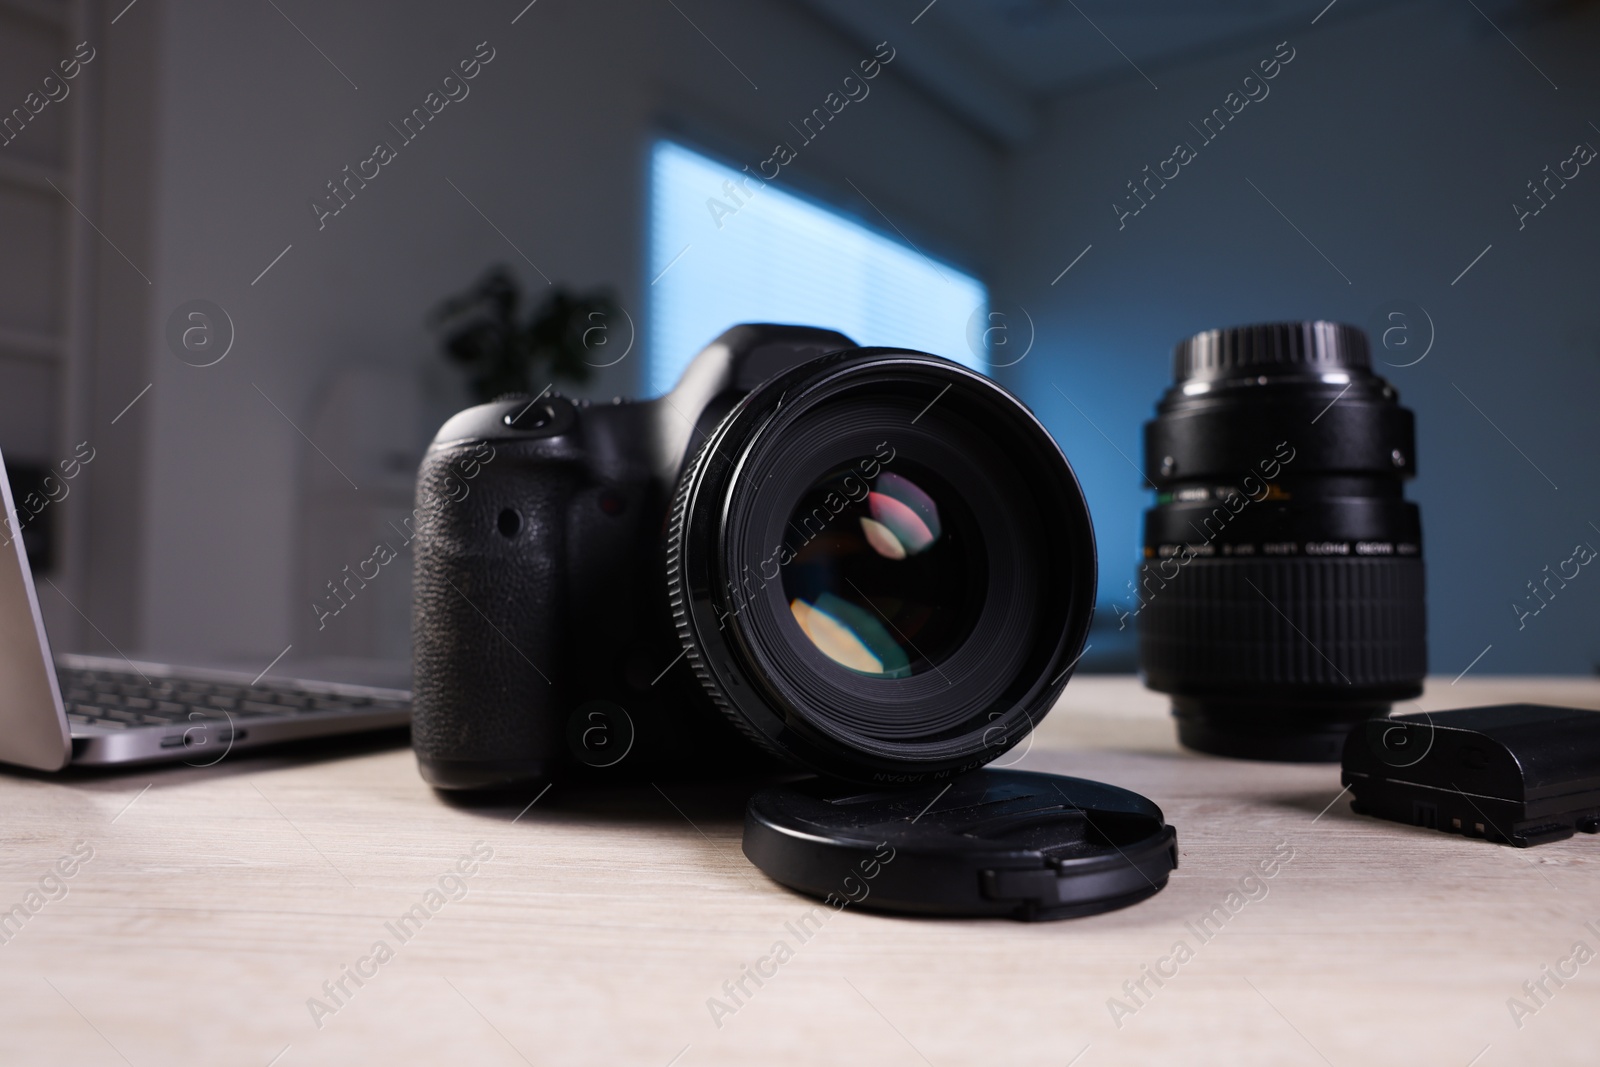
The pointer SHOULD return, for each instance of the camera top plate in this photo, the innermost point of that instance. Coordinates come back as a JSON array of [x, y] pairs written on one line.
[[1003, 843]]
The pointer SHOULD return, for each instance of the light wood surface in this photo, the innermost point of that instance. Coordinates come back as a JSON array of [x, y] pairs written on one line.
[[217, 902]]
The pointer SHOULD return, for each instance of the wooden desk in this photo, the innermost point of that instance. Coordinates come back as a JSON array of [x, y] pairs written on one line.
[[217, 902]]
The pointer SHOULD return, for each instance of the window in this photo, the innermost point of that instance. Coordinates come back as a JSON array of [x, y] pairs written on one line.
[[777, 257]]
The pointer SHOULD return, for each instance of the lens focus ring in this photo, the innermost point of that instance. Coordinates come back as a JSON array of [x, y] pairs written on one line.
[[1351, 625]]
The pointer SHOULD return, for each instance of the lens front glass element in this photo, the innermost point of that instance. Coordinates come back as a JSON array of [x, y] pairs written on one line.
[[888, 575]]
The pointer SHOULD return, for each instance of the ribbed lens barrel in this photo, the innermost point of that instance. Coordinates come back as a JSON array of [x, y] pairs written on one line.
[[1280, 600]]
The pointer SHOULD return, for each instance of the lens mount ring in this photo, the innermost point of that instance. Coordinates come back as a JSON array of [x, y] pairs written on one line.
[[740, 639]]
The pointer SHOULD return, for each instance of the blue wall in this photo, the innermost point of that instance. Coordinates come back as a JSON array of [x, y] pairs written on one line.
[[1397, 142]]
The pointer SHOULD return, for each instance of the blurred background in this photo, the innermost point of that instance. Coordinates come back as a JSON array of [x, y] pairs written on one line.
[[226, 231]]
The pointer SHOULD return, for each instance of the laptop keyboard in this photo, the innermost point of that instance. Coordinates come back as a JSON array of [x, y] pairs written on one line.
[[122, 700]]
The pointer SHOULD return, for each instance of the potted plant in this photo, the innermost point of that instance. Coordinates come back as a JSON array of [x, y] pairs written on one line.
[[507, 349]]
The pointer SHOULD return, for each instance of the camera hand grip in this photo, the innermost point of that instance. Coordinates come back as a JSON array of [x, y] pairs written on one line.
[[489, 598]]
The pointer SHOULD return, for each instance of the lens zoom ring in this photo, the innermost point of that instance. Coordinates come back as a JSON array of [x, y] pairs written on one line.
[[1321, 622]]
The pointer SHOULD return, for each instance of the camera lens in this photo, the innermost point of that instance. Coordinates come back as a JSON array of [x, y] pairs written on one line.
[[882, 567], [1280, 600], [891, 583]]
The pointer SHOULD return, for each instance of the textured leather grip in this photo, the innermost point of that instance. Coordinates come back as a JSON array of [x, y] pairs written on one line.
[[488, 613]]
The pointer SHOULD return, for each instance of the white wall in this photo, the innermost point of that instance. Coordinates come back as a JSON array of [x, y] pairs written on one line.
[[550, 144], [1397, 143]]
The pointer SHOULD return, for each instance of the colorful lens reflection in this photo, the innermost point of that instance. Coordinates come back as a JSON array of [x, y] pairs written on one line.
[[878, 582], [904, 521], [850, 636]]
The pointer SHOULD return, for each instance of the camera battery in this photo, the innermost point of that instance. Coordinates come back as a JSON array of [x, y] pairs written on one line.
[[1517, 774]]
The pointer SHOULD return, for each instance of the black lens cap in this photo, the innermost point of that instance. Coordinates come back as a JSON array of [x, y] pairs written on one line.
[[1014, 844]]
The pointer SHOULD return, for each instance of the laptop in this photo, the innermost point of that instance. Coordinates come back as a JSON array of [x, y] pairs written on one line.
[[98, 710]]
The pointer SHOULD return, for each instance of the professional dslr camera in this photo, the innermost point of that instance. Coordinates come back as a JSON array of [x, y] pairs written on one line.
[[874, 564]]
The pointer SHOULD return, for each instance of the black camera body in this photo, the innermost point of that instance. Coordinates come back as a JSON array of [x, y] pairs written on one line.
[[538, 583], [595, 583]]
